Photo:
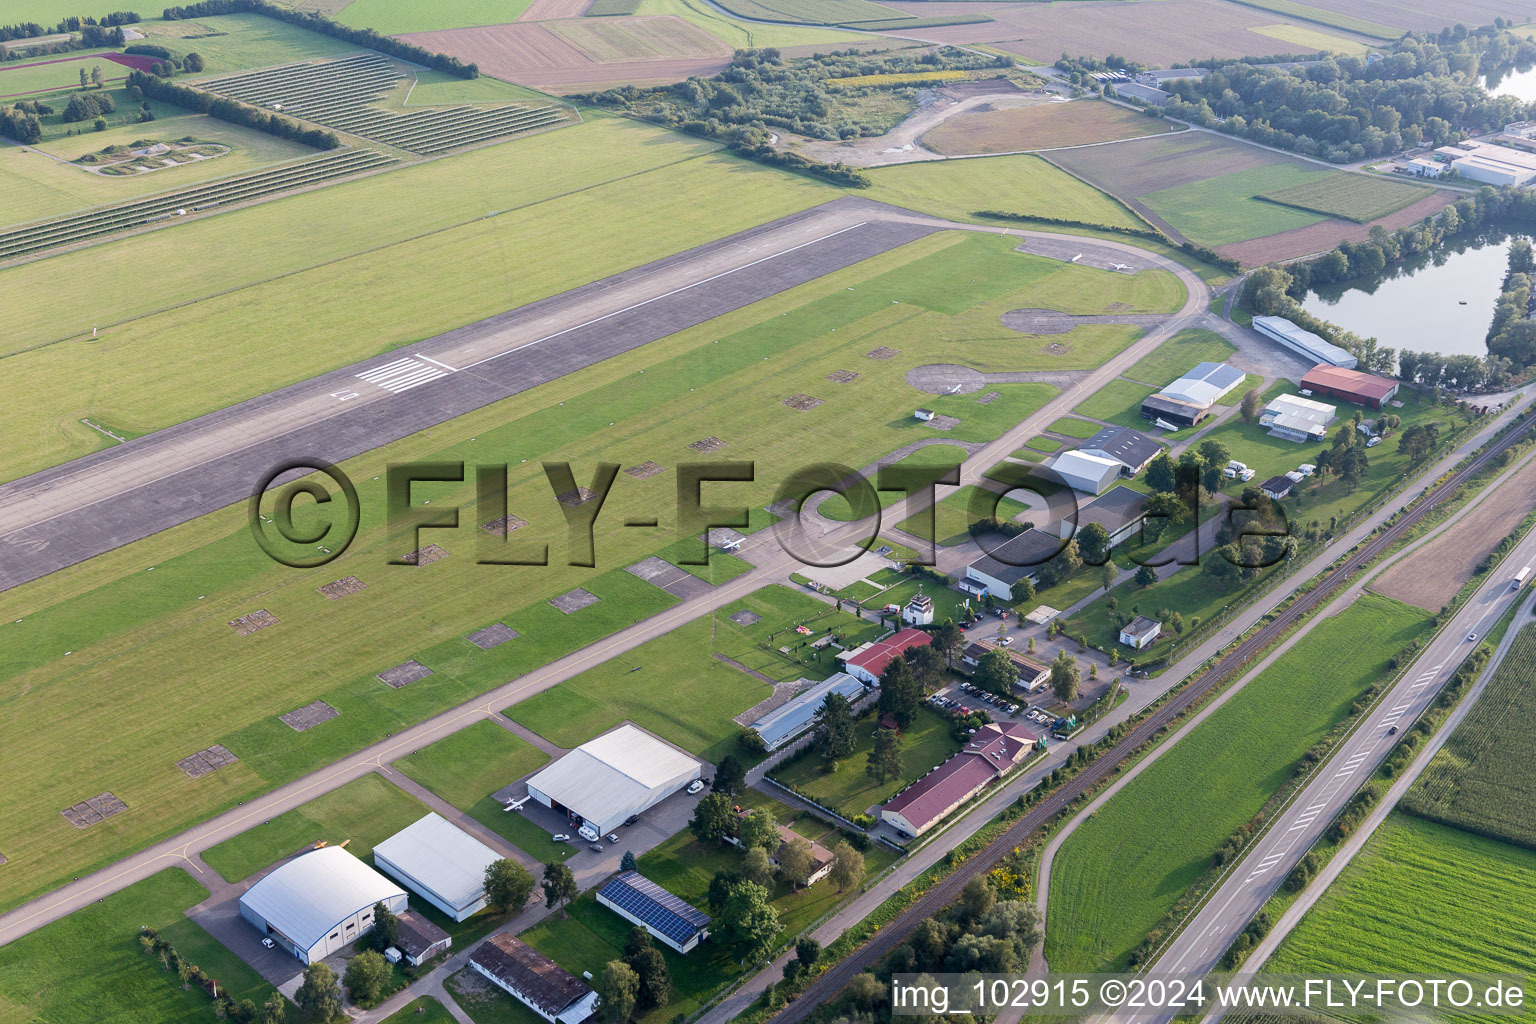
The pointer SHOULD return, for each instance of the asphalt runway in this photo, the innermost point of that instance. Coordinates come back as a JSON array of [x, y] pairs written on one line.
[[67, 514]]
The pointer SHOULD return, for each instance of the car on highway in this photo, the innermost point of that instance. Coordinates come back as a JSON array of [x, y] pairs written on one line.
[[696, 786], [1472, 636], [560, 837]]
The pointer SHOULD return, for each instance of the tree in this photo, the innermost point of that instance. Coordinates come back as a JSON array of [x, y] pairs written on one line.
[[1065, 678], [978, 897], [796, 861], [720, 888], [619, 988], [1252, 403], [319, 995], [950, 640], [1093, 543], [367, 975], [386, 927], [713, 819], [1163, 511], [885, 758], [274, 1010], [834, 727], [730, 776], [807, 955], [757, 866], [927, 666], [627, 862], [748, 923], [1108, 574], [758, 829], [96, 78], [507, 885], [192, 63], [1146, 576], [655, 980], [900, 692], [996, 672], [847, 866], [1160, 474], [84, 79], [559, 886]]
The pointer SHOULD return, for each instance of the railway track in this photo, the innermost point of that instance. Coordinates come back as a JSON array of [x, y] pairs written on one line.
[[946, 892]]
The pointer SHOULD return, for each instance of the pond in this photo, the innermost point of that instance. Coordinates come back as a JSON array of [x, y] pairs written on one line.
[[1441, 302], [1514, 82]]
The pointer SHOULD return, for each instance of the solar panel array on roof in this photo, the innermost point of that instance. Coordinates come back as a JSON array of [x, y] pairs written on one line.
[[649, 903]]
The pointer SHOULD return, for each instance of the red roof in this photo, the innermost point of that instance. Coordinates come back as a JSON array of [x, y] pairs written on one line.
[[1348, 382], [874, 658], [993, 750]]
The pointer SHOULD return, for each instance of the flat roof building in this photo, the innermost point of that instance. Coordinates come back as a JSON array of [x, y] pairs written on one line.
[[1350, 385], [1033, 675], [1297, 419], [1120, 510], [1015, 559], [439, 862], [1140, 632], [1131, 448], [618, 774], [534, 980], [1150, 95], [642, 902], [318, 902], [1303, 341], [992, 752], [789, 721], [867, 661], [1090, 474], [1495, 165]]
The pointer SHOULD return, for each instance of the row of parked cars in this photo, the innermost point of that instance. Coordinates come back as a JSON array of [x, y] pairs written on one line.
[[972, 693]]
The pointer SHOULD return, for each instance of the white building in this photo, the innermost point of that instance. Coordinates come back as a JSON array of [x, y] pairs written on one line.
[[439, 862], [788, 721], [1090, 474], [1140, 632], [918, 611], [1303, 342], [534, 980], [623, 772], [1495, 165], [642, 902], [319, 902], [1425, 168], [1297, 419], [1015, 559]]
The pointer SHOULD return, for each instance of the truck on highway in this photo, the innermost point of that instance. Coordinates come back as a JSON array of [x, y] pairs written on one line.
[[1520, 578]]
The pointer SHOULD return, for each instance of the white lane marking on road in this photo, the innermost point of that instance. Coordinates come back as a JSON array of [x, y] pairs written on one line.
[[402, 374], [436, 362]]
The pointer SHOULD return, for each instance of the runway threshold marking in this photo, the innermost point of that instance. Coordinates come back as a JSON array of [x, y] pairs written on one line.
[[403, 374]]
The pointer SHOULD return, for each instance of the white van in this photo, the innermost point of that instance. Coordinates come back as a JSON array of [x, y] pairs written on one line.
[[588, 833]]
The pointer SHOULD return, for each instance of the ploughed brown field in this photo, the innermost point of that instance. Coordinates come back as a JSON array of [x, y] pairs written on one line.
[[580, 54], [1041, 126], [1418, 15], [549, 10]]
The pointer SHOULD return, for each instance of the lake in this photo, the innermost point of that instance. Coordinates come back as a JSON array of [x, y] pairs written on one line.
[[1519, 84], [1416, 304]]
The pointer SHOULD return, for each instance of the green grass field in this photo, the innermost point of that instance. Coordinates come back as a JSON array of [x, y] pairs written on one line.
[[1117, 402], [1221, 210], [1312, 39], [239, 42], [393, 17], [1017, 184], [838, 508], [366, 811], [1179, 354], [472, 763], [1358, 197], [1422, 899], [849, 791], [1071, 426], [89, 966], [1125, 867], [1483, 779], [953, 517], [22, 78], [1045, 444], [1189, 592], [425, 1010]]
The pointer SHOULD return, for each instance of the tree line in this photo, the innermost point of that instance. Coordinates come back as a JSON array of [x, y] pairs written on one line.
[[232, 111], [365, 37], [76, 23]]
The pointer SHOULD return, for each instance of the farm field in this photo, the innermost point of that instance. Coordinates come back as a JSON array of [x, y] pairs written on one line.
[[395, 17], [1179, 354], [1043, 126], [1356, 197], [1314, 39], [1403, 17], [24, 78], [1224, 209], [90, 966], [239, 42], [1483, 779], [1335, 18], [741, 34], [814, 12], [1131, 861], [1421, 898], [849, 791]]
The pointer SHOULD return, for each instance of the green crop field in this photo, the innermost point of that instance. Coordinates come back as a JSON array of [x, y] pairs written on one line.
[[851, 792], [393, 17], [1358, 197], [1117, 402], [238, 42], [1484, 779], [365, 811], [1126, 865], [1017, 184], [89, 966], [1179, 354], [1221, 210], [1422, 899]]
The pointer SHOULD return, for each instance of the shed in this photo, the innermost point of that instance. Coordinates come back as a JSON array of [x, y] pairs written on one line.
[[666, 916], [534, 980], [1141, 632]]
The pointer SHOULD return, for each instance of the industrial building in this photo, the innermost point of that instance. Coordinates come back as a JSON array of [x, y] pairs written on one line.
[[787, 722], [534, 980], [1090, 474], [1131, 448], [1489, 163], [1148, 94], [1303, 342], [621, 773], [1351, 385], [319, 902], [1015, 559], [866, 661], [667, 917], [992, 752], [418, 939], [1120, 510], [1297, 419], [1188, 400], [439, 862]]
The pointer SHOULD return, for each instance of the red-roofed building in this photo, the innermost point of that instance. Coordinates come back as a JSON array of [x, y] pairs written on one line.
[[867, 661], [992, 752], [1350, 385]]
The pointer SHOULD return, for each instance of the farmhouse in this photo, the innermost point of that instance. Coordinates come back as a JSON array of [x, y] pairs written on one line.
[[1140, 632], [534, 980], [1087, 473], [821, 857], [319, 902], [1351, 385], [1303, 342], [642, 902], [1016, 559], [1131, 448], [1277, 487], [1297, 419], [790, 721], [418, 939], [439, 862], [621, 773], [992, 752], [1188, 400], [1033, 675], [1119, 510], [867, 661]]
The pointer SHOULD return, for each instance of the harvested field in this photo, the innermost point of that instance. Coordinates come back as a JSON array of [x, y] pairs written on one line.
[[1158, 32], [1325, 235], [1043, 126], [1433, 574], [549, 10], [1428, 16], [586, 53]]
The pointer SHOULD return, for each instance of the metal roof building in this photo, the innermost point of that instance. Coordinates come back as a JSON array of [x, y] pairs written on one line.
[[620, 773], [534, 980], [319, 902], [669, 918], [1297, 419], [1302, 341], [867, 661], [439, 862], [992, 751], [1015, 559], [1131, 448], [790, 720], [1350, 385], [1188, 400], [1084, 472]]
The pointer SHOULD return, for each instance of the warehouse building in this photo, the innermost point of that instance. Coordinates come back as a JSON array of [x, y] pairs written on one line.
[[1015, 559], [1090, 474], [1493, 164], [534, 980], [866, 661], [1303, 342], [439, 862], [319, 902], [642, 902], [1351, 385], [1297, 419], [789, 721], [1120, 510], [621, 773], [992, 752], [1131, 448], [1188, 400]]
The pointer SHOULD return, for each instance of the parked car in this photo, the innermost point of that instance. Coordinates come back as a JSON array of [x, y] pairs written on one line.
[[696, 786], [595, 847], [631, 819], [269, 943], [613, 837], [1373, 442], [1006, 641], [560, 837]]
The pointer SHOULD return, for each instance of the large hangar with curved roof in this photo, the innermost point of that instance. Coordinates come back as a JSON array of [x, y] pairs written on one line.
[[317, 903]]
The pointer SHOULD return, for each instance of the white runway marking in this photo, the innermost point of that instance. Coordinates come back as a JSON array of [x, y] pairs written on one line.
[[403, 374]]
